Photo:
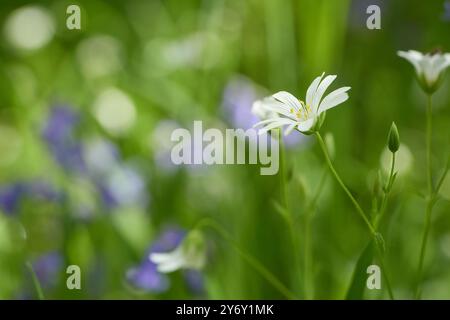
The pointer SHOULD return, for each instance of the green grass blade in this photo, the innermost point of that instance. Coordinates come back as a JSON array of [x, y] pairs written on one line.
[[358, 283]]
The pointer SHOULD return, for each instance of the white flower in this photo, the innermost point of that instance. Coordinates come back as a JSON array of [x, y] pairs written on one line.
[[190, 254], [429, 67], [296, 114], [260, 109]]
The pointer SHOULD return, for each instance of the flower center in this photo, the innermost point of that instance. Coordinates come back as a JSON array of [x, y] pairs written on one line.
[[303, 113]]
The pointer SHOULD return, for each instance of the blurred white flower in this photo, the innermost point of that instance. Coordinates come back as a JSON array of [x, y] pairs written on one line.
[[429, 67], [190, 254], [127, 186], [99, 56], [115, 111], [296, 114], [260, 109], [403, 163], [101, 156], [30, 27]]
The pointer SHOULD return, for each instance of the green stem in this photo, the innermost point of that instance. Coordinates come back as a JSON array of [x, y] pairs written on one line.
[[430, 201], [373, 232], [428, 213], [252, 261], [423, 248], [308, 275], [386, 192], [36, 282], [283, 194], [429, 134], [441, 180], [343, 186]]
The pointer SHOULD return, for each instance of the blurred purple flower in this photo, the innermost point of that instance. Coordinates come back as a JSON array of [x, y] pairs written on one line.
[[195, 281], [60, 124], [147, 278], [47, 268], [59, 136], [10, 196], [446, 15], [168, 240], [41, 189], [108, 199], [238, 98]]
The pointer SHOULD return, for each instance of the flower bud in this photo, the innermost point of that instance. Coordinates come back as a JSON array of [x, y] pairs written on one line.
[[190, 254], [393, 139]]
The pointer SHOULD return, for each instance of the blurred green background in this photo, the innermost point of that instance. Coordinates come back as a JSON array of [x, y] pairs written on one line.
[[85, 123]]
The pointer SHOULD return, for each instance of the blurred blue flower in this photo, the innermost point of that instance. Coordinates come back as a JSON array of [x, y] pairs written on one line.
[[47, 267], [238, 98], [59, 136], [195, 281], [125, 187], [446, 15], [10, 196], [145, 277], [168, 240], [43, 190]]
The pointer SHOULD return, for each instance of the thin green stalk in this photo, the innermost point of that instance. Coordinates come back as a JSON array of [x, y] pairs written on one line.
[[429, 135], [36, 282], [386, 192], [252, 261], [283, 194], [308, 276], [343, 186], [428, 213], [430, 200], [282, 174], [441, 180], [423, 248], [386, 278], [373, 232]]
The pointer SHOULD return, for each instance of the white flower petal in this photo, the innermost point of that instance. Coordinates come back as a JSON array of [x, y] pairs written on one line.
[[442, 63], [305, 125], [276, 124], [312, 89], [264, 122], [160, 257], [171, 266], [260, 108], [321, 90], [288, 99], [168, 262], [290, 128], [333, 99], [281, 109], [414, 57]]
